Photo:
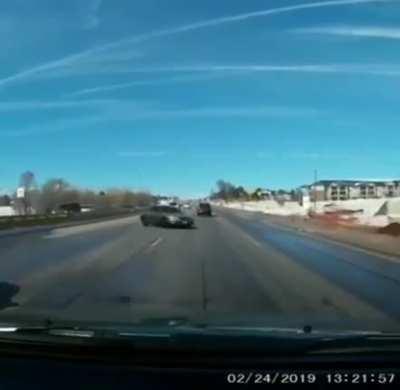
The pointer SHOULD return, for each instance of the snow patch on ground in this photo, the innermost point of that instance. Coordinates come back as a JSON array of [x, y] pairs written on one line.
[[269, 207], [7, 211], [369, 212], [369, 207]]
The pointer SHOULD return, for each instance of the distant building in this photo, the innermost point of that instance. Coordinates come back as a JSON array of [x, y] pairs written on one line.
[[334, 190], [263, 193], [257, 193], [283, 196], [87, 208]]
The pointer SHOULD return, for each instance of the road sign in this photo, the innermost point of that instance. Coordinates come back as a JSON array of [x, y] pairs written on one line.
[[20, 192]]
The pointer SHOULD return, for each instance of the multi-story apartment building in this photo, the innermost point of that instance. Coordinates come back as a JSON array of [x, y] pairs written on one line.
[[333, 190]]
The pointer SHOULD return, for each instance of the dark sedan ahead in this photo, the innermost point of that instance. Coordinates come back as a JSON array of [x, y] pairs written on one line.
[[204, 209], [166, 216]]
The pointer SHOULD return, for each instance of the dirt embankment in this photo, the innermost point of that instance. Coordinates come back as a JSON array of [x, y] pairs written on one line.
[[392, 230], [384, 240]]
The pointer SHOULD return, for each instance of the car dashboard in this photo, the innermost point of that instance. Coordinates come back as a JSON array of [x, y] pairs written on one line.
[[62, 367]]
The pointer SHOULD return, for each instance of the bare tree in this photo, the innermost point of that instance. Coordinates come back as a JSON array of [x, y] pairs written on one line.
[[58, 192], [5, 200], [228, 191], [143, 199], [55, 192], [27, 183], [117, 197]]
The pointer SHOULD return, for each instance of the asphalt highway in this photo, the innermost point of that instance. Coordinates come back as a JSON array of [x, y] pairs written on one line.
[[234, 268]]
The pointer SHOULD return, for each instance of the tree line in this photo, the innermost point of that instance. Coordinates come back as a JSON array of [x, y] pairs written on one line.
[[230, 192], [57, 192]]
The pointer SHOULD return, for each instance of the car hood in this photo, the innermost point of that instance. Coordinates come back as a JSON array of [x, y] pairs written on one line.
[[124, 312]]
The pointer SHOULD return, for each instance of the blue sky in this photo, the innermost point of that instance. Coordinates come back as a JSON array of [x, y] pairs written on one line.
[[172, 95]]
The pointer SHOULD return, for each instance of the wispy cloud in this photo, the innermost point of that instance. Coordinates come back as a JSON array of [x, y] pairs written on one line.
[[54, 127], [136, 154], [218, 71], [244, 16], [252, 68], [306, 156], [75, 59], [319, 156], [158, 81], [128, 111], [124, 112], [237, 112], [91, 18], [25, 74], [118, 63], [354, 31], [113, 57], [29, 105], [211, 71], [266, 155]]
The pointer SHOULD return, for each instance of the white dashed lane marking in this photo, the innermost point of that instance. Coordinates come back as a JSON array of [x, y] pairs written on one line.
[[154, 244]]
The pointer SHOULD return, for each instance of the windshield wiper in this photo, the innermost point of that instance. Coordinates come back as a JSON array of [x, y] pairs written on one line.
[[308, 339], [260, 340], [52, 331], [358, 344]]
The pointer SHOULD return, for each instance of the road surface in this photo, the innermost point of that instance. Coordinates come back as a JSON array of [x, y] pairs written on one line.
[[234, 268]]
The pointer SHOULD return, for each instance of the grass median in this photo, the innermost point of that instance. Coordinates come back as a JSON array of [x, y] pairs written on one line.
[[31, 221]]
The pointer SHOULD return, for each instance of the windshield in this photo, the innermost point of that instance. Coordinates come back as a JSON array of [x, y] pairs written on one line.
[[268, 128]]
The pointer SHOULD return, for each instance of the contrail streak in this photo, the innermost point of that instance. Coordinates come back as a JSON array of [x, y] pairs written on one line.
[[208, 72], [69, 60]]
